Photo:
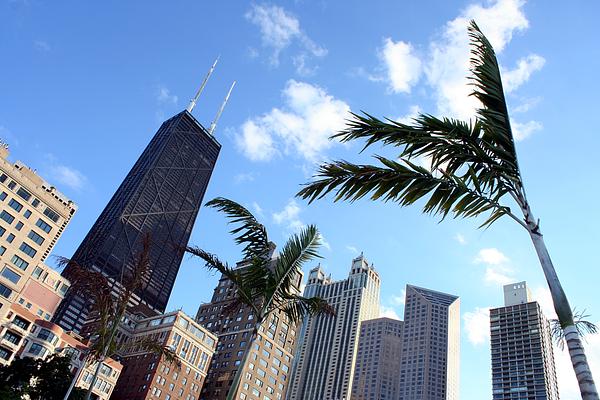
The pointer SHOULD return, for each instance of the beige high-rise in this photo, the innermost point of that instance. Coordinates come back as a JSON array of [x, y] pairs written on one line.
[[33, 215], [327, 346], [430, 346]]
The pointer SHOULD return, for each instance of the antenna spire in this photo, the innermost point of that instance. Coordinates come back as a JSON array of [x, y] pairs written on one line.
[[214, 123], [193, 101]]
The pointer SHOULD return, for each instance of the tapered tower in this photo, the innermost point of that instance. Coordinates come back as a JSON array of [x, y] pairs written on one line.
[[160, 197]]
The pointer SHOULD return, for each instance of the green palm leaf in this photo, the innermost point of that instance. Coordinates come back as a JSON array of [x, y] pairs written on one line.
[[296, 307]]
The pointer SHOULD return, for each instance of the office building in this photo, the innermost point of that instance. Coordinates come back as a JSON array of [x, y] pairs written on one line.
[[521, 344], [430, 360], [160, 199], [266, 374], [376, 374], [149, 376], [327, 346]]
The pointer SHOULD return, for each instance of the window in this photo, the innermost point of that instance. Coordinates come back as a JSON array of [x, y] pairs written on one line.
[[15, 205], [7, 217], [19, 226], [5, 291], [27, 249], [20, 322], [2, 230], [3, 177], [35, 202], [2, 195], [37, 272], [11, 275], [2, 250], [19, 262], [46, 335], [37, 238], [37, 350], [5, 354], [48, 212], [10, 238], [27, 214], [11, 185], [24, 194], [12, 337], [43, 225]]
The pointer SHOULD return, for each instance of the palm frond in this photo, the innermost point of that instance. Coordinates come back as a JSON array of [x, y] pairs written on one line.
[[405, 183], [488, 89], [296, 307], [237, 275], [250, 233], [583, 326], [299, 249]]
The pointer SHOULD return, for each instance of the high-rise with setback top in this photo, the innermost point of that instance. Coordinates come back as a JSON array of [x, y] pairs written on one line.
[[327, 347], [430, 360], [160, 197], [521, 343]]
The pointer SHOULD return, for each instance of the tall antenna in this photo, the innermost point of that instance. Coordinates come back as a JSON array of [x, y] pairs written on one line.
[[193, 101], [214, 123]]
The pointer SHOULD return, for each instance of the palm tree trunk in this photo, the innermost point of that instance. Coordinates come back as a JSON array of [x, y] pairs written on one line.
[[235, 385], [563, 311], [88, 394]]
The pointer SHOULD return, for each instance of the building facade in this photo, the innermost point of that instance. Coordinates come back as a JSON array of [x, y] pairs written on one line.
[[148, 376], [160, 198], [521, 345], [327, 346], [430, 360], [376, 373], [266, 374], [33, 215]]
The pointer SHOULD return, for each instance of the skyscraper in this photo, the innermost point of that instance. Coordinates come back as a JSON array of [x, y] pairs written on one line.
[[327, 347], [430, 359], [160, 197], [521, 344], [376, 374]]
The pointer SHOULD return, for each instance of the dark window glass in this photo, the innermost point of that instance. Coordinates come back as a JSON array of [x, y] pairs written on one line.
[[7, 217], [48, 212], [2, 195], [3, 178], [43, 225], [27, 249], [10, 238], [35, 237], [27, 213], [35, 202], [11, 275], [19, 226], [24, 194], [20, 322], [15, 205], [12, 185], [19, 262], [4, 291]]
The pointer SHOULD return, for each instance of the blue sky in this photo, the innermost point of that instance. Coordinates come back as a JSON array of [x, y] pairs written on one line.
[[85, 85]]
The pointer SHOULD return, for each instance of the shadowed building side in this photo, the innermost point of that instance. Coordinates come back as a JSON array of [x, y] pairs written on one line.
[[160, 196]]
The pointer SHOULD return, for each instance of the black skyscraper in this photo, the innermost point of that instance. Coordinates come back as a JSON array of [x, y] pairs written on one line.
[[161, 197]]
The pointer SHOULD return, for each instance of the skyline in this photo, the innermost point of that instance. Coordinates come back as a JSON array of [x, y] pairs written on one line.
[[464, 261]]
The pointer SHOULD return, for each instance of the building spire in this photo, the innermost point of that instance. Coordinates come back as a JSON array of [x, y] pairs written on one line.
[[193, 101], [214, 123]]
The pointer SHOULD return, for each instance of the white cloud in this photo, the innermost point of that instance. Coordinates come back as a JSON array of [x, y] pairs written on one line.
[[477, 325], [244, 177], [68, 176], [42, 46], [526, 66], [460, 239], [448, 64], [279, 29], [527, 104], [324, 242], [491, 256], [524, 130], [402, 66], [164, 96], [408, 119], [497, 271], [289, 216], [302, 128], [388, 312], [544, 298], [257, 209], [352, 249], [399, 300]]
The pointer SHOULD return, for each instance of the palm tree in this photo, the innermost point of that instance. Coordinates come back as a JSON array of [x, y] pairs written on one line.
[[109, 310], [474, 170], [266, 284]]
